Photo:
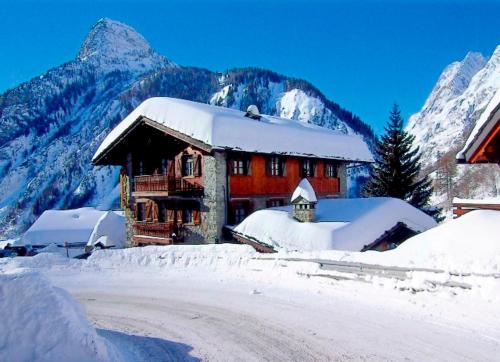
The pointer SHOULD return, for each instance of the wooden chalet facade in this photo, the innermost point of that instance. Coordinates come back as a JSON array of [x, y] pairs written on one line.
[[176, 187], [483, 144]]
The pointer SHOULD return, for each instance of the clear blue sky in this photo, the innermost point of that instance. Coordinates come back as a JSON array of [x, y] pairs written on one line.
[[363, 55]]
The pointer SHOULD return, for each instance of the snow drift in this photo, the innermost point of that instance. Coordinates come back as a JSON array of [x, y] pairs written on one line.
[[43, 323]]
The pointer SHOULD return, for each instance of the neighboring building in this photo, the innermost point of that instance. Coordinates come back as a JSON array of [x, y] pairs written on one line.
[[375, 223], [76, 228], [483, 144], [191, 168]]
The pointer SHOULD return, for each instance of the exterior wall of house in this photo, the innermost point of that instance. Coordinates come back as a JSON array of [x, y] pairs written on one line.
[[258, 189]]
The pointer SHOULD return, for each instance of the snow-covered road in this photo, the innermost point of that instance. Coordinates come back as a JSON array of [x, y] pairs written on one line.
[[184, 317]]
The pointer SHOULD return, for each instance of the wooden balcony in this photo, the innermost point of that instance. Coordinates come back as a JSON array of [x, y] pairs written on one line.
[[163, 185], [157, 233]]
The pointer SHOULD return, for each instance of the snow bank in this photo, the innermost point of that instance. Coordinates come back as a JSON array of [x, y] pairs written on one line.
[[341, 224], [43, 323], [180, 256], [226, 128], [469, 244]]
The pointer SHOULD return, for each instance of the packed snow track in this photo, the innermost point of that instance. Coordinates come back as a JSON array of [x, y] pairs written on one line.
[[168, 319]]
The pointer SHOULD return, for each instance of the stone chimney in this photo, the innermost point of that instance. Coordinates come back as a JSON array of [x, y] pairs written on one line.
[[304, 202]]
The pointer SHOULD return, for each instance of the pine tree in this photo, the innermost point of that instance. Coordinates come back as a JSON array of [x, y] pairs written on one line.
[[396, 172]]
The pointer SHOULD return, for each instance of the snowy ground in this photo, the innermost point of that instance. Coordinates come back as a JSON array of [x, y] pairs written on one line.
[[225, 303]]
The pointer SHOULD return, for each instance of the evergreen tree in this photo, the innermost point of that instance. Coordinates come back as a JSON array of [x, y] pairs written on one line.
[[396, 172]]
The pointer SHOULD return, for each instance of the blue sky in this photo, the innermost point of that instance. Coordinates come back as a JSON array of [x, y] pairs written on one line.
[[362, 55]]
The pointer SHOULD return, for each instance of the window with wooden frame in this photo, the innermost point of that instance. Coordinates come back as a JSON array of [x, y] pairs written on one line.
[[187, 165], [275, 202], [239, 165], [331, 169], [240, 211], [307, 168], [187, 216], [276, 166]]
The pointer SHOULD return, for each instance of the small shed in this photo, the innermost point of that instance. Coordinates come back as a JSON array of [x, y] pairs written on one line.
[[375, 223], [75, 227]]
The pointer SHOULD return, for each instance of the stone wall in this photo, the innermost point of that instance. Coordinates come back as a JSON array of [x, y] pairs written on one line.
[[342, 174], [213, 204]]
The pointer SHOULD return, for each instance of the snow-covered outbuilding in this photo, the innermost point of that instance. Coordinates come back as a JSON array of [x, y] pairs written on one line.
[[77, 228], [359, 224]]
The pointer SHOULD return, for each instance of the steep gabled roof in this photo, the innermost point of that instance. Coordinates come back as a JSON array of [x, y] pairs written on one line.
[[485, 124], [224, 128]]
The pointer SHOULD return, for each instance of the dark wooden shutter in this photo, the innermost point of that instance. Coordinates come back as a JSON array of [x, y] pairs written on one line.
[[155, 211], [149, 211], [197, 166]]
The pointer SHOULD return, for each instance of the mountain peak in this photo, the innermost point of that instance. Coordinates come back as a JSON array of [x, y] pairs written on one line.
[[113, 45]]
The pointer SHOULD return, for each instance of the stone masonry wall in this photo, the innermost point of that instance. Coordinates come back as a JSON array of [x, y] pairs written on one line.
[[213, 205]]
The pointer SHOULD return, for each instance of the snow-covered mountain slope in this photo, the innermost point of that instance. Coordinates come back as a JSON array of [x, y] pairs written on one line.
[[450, 112], [456, 102], [52, 125]]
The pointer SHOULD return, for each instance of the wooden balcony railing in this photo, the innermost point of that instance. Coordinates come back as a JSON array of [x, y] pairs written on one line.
[[158, 229], [152, 183]]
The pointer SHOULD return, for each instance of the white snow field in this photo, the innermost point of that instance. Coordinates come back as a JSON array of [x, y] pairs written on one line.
[[230, 303]]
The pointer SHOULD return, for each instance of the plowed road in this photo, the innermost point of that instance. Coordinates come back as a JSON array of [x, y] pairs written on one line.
[[178, 318]]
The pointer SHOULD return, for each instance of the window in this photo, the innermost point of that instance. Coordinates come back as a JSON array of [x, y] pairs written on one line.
[[140, 211], [187, 216], [276, 166], [275, 202], [164, 166], [238, 167], [239, 214], [330, 169], [162, 215], [307, 168], [187, 165]]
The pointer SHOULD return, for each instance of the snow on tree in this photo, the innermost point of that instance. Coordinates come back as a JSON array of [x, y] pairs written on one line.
[[397, 168]]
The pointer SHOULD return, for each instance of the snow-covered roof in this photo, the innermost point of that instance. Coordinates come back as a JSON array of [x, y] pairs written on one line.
[[485, 201], [224, 128], [483, 126], [341, 224], [71, 226], [304, 190]]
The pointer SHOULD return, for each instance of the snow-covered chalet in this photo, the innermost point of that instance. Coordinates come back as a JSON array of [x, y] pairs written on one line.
[[189, 169]]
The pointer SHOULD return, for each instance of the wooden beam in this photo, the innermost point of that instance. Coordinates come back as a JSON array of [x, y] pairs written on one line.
[[482, 154]]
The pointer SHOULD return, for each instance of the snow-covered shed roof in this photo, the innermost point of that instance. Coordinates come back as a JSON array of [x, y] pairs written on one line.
[[484, 125], [341, 224], [224, 128], [304, 190], [72, 226]]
